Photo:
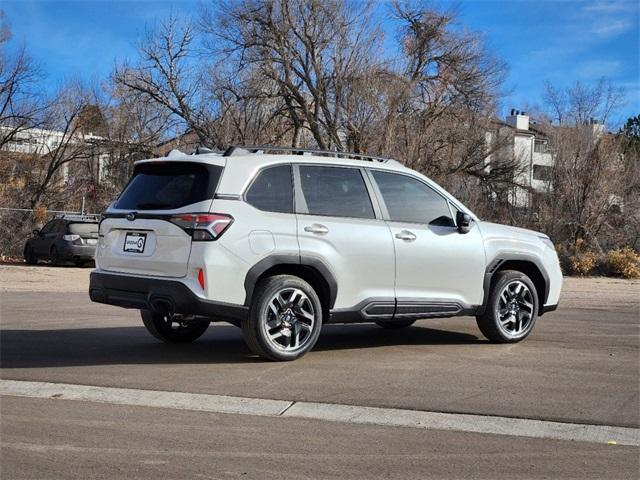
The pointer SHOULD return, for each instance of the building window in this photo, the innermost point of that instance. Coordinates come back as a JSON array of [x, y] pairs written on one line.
[[542, 172], [540, 146]]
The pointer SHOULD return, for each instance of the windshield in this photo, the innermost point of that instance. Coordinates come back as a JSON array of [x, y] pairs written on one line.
[[169, 185]]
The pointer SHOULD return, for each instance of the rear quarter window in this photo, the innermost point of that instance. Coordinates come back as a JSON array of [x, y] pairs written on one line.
[[167, 186], [272, 190]]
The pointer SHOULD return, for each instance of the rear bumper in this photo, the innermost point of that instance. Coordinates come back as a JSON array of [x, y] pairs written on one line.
[[83, 252], [157, 295]]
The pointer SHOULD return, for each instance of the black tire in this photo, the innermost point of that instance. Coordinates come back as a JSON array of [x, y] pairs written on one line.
[[30, 256], [395, 324], [255, 326], [490, 323], [161, 327], [55, 257], [79, 263]]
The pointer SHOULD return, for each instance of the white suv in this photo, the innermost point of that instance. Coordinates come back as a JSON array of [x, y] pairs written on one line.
[[281, 241]]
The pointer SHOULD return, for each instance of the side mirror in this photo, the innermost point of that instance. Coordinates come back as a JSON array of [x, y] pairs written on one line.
[[36, 232], [463, 221]]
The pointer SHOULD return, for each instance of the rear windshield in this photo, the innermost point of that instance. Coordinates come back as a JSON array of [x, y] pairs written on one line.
[[83, 228], [165, 186]]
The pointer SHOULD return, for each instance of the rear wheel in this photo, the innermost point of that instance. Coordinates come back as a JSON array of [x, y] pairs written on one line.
[[174, 328], [284, 320], [30, 256], [511, 310], [392, 324]]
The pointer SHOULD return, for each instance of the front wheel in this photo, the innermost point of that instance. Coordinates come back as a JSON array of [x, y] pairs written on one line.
[[173, 328], [511, 310], [284, 320]]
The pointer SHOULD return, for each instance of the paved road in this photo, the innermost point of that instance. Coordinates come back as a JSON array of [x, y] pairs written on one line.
[[58, 439], [581, 364]]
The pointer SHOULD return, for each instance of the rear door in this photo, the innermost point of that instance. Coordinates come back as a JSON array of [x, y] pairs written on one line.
[[138, 236], [337, 223]]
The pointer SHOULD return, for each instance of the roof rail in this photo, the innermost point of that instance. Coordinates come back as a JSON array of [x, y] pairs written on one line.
[[237, 150]]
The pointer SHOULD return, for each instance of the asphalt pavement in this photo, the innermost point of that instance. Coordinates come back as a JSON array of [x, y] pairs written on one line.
[[580, 365]]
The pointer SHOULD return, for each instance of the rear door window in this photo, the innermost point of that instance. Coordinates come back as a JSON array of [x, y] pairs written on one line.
[[169, 185], [335, 191], [272, 190]]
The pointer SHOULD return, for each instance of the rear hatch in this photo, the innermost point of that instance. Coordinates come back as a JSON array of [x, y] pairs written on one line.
[[88, 233], [138, 236]]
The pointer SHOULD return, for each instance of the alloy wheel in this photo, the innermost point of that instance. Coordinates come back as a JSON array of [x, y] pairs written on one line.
[[289, 320], [515, 309]]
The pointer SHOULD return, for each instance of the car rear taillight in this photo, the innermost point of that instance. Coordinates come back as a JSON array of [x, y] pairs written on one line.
[[71, 238], [203, 226]]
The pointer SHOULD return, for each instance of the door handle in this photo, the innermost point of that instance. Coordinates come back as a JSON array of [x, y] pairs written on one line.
[[316, 228], [406, 235]]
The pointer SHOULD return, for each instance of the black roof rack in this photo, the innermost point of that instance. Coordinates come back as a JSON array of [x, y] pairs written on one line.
[[87, 217], [237, 150]]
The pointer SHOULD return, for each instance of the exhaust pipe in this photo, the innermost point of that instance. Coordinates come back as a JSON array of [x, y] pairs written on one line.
[[162, 305]]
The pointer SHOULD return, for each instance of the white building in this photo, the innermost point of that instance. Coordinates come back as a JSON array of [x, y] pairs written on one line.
[[531, 148], [37, 141]]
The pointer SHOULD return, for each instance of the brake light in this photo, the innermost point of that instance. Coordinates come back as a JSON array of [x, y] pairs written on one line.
[[203, 226]]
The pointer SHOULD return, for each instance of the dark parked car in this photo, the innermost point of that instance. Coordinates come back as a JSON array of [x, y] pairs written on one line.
[[64, 239]]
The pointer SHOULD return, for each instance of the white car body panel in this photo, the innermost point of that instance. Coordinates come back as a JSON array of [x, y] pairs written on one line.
[[359, 251], [440, 264]]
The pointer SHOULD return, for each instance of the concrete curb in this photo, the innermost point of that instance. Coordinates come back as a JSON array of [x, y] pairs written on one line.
[[519, 427]]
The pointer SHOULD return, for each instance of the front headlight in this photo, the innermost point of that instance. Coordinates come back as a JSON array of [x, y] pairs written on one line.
[[547, 241], [70, 238]]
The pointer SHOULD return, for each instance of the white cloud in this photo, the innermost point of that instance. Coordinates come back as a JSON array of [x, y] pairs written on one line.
[[611, 28], [594, 69], [611, 6]]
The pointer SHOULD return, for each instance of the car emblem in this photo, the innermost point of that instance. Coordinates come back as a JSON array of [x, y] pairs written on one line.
[[131, 216]]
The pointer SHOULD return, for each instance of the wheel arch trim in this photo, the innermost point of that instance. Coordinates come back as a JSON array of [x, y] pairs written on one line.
[[504, 258], [315, 264]]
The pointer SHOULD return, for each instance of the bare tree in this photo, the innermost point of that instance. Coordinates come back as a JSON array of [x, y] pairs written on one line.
[[580, 103], [310, 50], [20, 101], [589, 175], [168, 75]]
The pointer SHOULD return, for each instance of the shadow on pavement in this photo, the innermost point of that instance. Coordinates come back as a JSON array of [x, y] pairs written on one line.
[[221, 344]]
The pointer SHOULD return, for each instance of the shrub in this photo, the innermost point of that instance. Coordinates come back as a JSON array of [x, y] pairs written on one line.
[[577, 259], [583, 263], [624, 262], [40, 214]]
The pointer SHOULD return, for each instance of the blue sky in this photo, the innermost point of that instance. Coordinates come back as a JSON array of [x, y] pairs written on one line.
[[559, 41]]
